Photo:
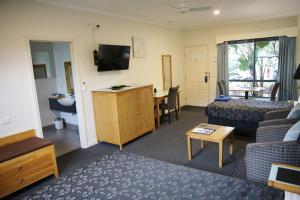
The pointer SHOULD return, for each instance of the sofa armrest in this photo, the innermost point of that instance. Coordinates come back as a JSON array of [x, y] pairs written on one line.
[[277, 122], [260, 156], [277, 114], [272, 133]]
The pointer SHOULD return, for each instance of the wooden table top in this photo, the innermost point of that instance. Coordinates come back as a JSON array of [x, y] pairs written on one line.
[[220, 133], [160, 94]]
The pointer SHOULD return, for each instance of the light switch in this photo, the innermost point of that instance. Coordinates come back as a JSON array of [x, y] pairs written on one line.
[[5, 120], [83, 87]]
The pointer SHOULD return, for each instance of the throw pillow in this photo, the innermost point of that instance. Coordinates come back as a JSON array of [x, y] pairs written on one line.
[[293, 133], [295, 112]]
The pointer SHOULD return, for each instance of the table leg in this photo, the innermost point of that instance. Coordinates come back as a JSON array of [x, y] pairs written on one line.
[[189, 146], [157, 112], [246, 94], [231, 144], [221, 154], [178, 104], [201, 144]]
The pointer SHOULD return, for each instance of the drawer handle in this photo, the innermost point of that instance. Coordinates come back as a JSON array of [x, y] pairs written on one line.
[[21, 180], [20, 168]]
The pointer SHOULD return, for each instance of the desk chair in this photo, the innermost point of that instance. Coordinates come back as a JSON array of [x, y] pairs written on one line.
[[171, 102], [274, 91], [222, 87]]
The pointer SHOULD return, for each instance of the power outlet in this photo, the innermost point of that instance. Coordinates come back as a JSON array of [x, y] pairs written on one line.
[[5, 120]]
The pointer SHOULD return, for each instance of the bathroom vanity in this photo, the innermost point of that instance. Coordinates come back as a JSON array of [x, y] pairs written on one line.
[[56, 105]]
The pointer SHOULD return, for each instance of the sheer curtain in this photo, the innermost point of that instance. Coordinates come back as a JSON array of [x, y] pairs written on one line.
[[222, 65], [287, 67]]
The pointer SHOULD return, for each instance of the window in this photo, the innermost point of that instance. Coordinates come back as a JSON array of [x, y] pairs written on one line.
[[253, 63]]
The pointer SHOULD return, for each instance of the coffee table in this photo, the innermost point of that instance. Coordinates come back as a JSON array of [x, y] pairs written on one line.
[[218, 136]]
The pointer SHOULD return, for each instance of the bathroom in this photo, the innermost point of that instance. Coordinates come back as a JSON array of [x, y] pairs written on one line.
[[53, 75]]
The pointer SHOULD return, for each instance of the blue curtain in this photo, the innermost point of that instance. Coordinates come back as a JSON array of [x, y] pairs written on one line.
[[287, 67], [222, 65]]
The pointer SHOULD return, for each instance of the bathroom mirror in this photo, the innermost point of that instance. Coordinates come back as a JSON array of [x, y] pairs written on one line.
[[41, 65], [167, 71], [69, 77]]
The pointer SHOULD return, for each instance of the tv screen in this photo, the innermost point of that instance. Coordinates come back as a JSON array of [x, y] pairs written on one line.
[[113, 57]]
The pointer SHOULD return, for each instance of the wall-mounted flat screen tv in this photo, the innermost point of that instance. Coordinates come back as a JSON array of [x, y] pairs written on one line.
[[112, 57]]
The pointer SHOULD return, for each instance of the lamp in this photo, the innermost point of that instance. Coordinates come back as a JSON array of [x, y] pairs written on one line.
[[297, 76], [297, 73]]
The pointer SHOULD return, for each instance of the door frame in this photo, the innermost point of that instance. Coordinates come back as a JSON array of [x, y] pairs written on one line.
[[185, 68], [77, 87]]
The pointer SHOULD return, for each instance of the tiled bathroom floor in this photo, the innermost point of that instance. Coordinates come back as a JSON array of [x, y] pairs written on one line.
[[65, 140]]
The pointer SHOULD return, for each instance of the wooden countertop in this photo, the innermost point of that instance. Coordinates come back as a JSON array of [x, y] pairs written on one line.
[[124, 89]]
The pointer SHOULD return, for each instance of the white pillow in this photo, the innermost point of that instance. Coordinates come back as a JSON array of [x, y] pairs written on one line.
[[295, 112], [293, 133]]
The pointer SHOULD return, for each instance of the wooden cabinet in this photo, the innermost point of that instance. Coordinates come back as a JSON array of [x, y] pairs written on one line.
[[123, 115]]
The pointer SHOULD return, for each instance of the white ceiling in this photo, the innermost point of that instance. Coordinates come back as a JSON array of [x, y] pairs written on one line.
[[161, 11]]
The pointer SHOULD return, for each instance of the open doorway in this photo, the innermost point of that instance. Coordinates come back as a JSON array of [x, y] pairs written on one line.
[[53, 74]]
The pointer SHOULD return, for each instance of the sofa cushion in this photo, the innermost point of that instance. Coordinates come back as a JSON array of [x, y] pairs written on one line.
[[20, 148], [293, 133], [295, 112]]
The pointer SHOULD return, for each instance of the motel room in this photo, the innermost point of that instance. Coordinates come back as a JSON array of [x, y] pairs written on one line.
[[150, 99]]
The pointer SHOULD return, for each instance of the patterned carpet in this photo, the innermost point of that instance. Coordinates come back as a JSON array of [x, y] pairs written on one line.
[[122, 175]]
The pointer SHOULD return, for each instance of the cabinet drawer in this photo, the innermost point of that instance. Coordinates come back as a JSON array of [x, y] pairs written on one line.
[[36, 169]]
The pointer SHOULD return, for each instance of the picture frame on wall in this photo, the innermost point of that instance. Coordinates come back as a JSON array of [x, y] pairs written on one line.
[[138, 45]]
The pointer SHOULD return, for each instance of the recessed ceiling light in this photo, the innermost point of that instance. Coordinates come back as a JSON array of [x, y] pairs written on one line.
[[216, 12]]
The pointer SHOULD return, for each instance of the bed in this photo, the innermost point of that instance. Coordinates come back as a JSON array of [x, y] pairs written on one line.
[[127, 176], [243, 114]]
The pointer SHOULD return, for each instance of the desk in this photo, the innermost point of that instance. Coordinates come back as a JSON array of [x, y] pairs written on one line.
[[158, 97], [248, 89], [290, 189]]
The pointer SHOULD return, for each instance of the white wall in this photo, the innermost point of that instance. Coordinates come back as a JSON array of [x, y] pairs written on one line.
[[38, 47], [23, 19], [210, 35], [45, 87], [61, 54], [42, 57]]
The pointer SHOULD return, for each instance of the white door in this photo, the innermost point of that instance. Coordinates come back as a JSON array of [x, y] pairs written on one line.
[[197, 76]]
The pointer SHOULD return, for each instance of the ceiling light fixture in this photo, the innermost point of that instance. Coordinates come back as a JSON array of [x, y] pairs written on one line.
[[216, 12]]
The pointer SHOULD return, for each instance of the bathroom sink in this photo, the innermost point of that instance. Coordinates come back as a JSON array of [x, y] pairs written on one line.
[[66, 101]]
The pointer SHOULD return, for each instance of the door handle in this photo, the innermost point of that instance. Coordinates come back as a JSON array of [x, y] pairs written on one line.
[[206, 79]]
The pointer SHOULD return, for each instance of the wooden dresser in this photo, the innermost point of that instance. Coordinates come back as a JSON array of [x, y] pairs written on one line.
[[123, 115]]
